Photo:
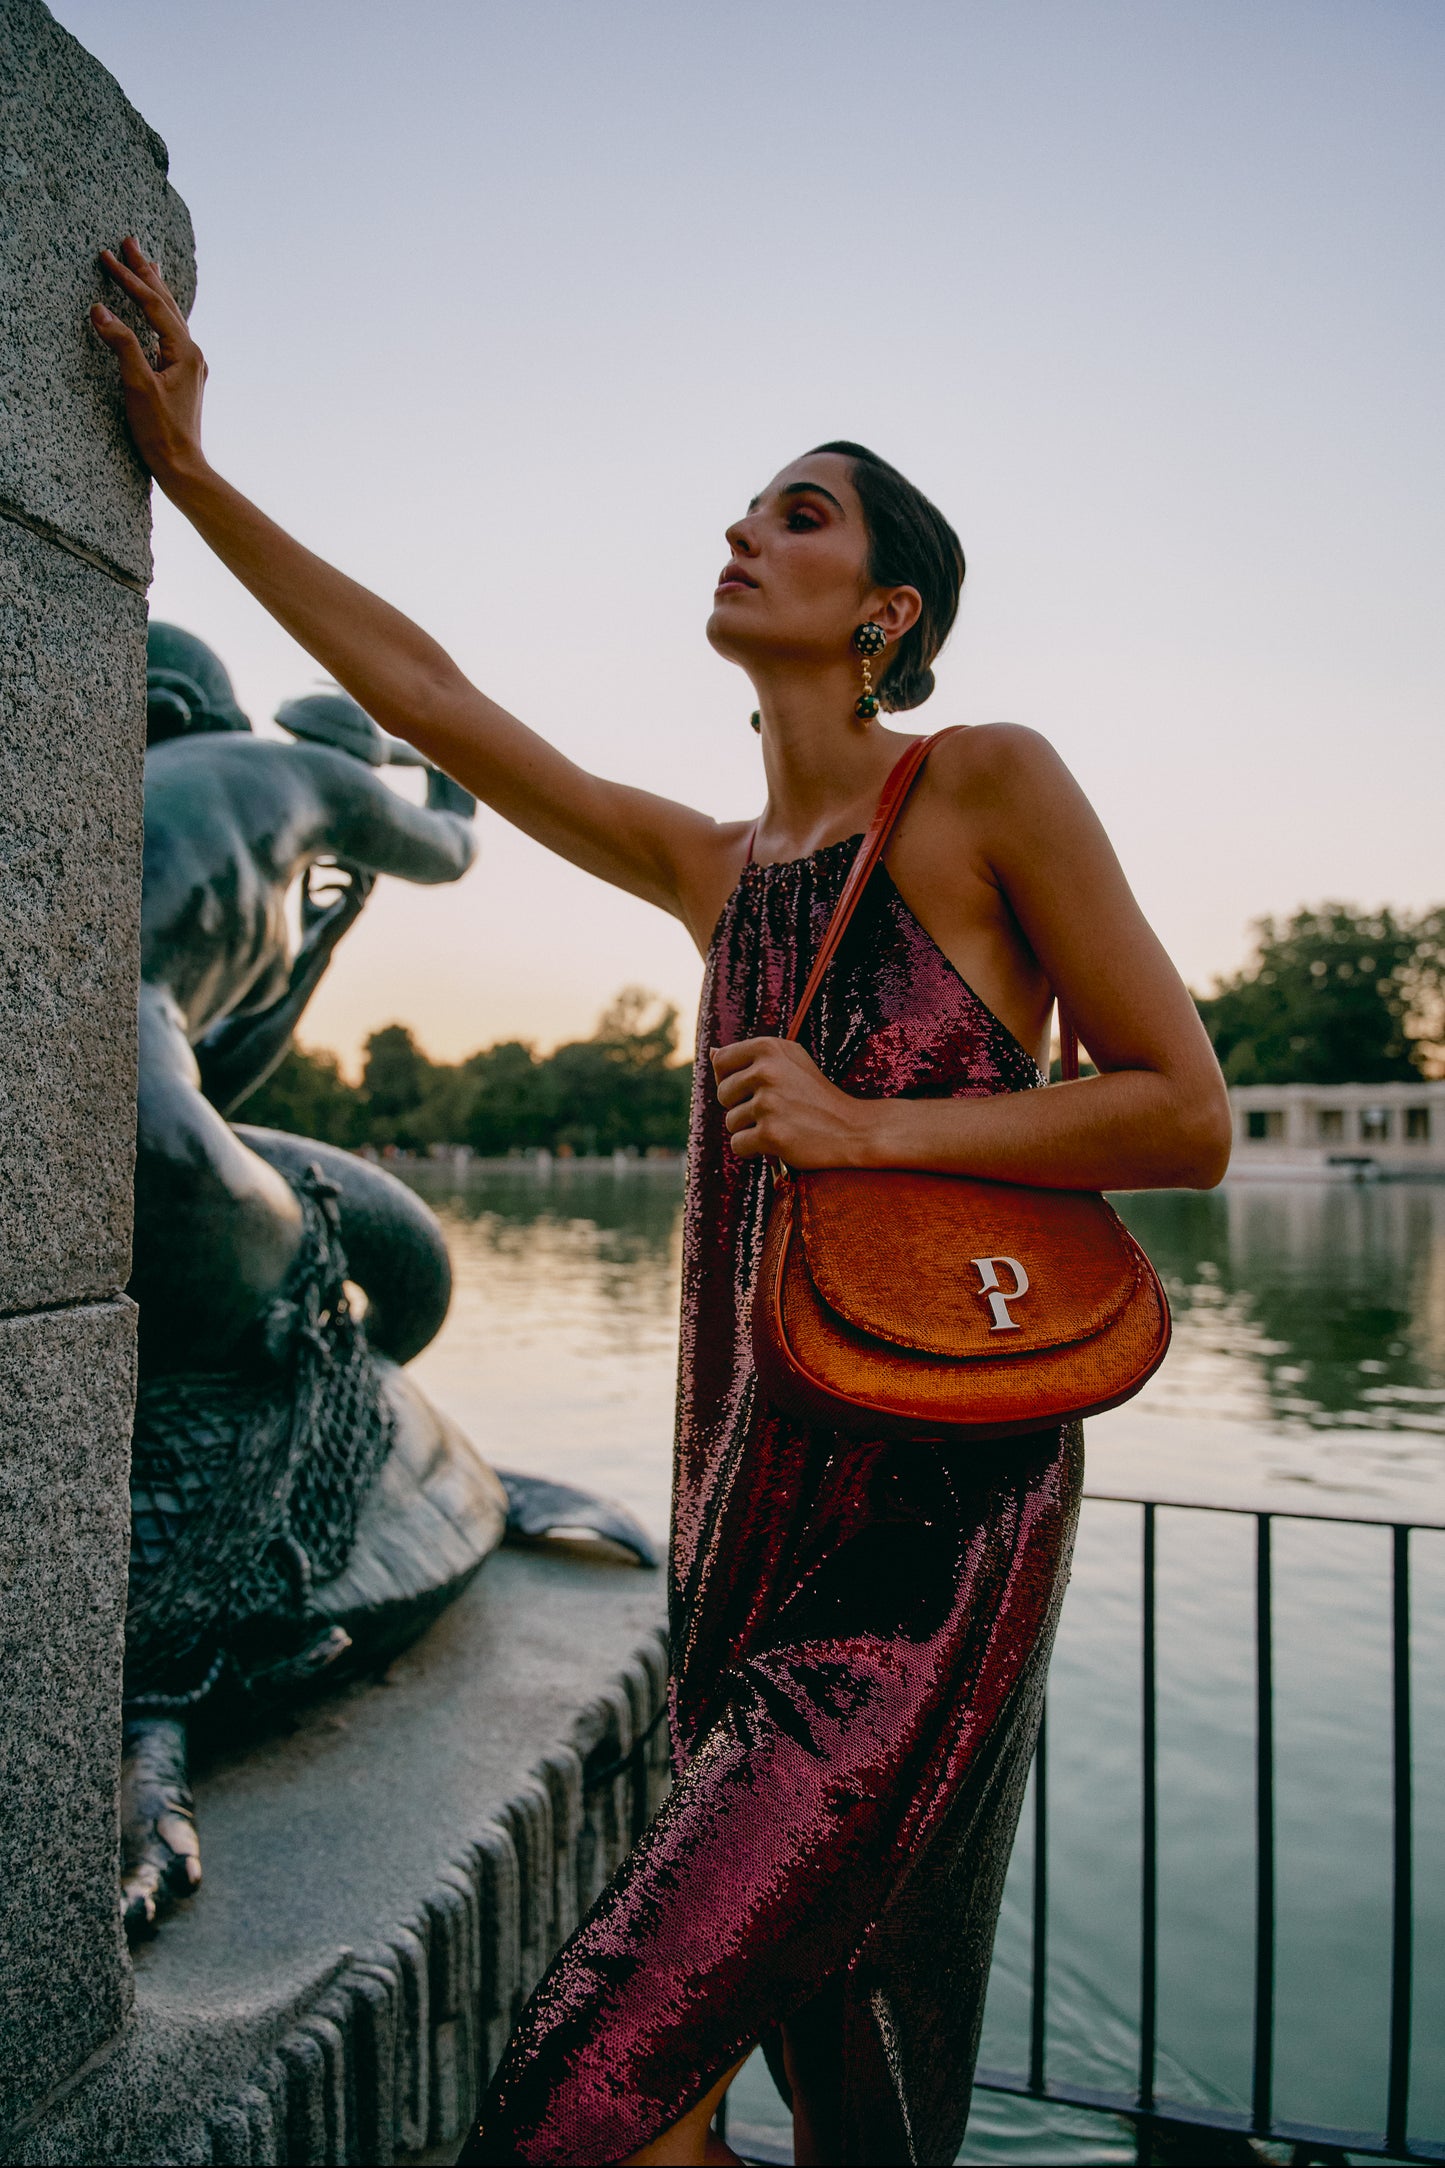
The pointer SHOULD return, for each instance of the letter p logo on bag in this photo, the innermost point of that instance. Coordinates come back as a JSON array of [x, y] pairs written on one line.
[[999, 1298]]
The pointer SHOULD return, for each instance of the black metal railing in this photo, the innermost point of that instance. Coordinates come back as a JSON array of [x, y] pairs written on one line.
[[1142, 2106]]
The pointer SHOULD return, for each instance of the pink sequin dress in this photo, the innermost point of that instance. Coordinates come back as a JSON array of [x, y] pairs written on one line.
[[860, 1635]]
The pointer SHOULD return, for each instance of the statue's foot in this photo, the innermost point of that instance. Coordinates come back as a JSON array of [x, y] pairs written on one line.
[[160, 1853]]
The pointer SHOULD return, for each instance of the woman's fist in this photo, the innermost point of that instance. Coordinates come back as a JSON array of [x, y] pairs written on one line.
[[779, 1105], [162, 404]]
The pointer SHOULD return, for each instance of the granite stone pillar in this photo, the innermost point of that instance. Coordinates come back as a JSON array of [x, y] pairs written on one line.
[[78, 168]]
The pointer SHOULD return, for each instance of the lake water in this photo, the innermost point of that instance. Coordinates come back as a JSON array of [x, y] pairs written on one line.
[[1307, 1376]]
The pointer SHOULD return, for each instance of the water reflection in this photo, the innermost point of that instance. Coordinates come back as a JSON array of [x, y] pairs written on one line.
[[636, 1207], [1320, 1304], [559, 1355]]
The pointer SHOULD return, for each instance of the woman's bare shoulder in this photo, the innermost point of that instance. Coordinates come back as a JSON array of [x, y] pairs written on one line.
[[999, 765], [996, 751]]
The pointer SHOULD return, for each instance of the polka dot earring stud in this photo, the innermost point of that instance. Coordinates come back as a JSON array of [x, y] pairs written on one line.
[[870, 641]]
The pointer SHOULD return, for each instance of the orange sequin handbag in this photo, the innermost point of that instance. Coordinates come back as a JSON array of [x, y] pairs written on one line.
[[908, 1305]]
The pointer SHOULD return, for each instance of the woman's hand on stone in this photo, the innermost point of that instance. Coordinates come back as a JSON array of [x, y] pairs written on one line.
[[162, 402], [779, 1105]]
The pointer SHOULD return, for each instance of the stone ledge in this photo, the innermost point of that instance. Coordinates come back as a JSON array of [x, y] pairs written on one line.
[[386, 1883]]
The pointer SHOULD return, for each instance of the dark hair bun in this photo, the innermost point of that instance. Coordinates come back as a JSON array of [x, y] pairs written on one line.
[[910, 545], [906, 687]]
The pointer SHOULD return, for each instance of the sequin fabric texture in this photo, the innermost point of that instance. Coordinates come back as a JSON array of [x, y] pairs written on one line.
[[860, 1634]]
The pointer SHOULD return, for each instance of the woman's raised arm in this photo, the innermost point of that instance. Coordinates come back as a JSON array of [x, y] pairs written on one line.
[[666, 853]]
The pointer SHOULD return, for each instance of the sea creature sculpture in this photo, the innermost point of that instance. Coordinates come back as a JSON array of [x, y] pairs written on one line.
[[299, 1509]]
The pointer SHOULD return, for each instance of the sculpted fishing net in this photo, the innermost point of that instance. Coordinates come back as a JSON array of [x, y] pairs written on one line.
[[246, 1489]]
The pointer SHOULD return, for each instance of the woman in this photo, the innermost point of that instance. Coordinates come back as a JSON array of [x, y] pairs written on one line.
[[860, 1633]]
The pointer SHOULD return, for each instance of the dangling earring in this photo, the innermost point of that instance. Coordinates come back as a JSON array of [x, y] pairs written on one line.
[[870, 640], [756, 720]]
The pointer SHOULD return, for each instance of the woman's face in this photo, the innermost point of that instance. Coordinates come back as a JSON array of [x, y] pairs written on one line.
[[796, 584]]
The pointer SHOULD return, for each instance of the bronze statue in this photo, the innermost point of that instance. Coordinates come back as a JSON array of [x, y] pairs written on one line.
[[298, 1507]]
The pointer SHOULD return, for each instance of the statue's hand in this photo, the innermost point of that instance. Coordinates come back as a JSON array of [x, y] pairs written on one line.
[[160, 1853], [162, 404], [331, 902]]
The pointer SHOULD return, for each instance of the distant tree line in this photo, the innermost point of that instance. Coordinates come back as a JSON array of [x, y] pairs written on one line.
[[1331, 995], [622, 1088], [1334, 995]]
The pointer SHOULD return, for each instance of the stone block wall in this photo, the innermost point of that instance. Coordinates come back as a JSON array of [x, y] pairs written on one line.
[[80, 168]]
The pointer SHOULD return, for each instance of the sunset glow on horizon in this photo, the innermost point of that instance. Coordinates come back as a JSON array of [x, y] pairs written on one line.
[[510, 308]]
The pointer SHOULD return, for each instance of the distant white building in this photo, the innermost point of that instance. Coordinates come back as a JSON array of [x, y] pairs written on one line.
[[1337, 1130]]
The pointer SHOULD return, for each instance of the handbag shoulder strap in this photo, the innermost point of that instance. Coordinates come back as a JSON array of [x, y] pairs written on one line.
[[901, 778], [894, 796]]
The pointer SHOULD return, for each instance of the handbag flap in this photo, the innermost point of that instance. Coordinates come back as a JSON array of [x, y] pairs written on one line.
[[951, 1266]]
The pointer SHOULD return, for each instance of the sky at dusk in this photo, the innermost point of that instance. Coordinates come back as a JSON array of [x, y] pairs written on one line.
[[511, 305]]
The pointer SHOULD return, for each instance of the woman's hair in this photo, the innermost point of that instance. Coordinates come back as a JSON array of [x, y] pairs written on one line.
[[910, 544]]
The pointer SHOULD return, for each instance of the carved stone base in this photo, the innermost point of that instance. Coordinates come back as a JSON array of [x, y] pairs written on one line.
[[385, 1883]]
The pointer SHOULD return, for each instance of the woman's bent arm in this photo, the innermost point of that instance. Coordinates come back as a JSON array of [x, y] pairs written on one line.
[[666, 853], [1156, 1116], [1129, 1129]]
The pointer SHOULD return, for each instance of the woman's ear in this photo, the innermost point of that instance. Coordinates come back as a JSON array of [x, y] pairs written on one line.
[[899, 612]]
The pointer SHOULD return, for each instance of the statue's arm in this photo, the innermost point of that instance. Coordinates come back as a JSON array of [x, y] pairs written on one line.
[[365, 823], [237, 1055], [667, 853]]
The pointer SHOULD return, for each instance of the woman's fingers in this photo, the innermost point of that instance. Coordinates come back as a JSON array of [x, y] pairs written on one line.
[[151, 295], [126, 275], [150, 276], [141, 279], [147, 271], [162, 397], [777, 1104], [135, 371], [734, 1089], [738, 1070], [727, 1059]]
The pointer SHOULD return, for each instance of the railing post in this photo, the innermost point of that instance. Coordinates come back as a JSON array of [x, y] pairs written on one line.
[[1397, 2111], [1149, 1890], [1264, 1832], [1040, 1975]]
